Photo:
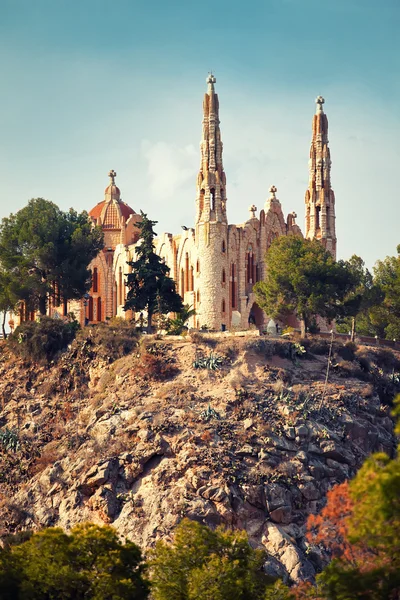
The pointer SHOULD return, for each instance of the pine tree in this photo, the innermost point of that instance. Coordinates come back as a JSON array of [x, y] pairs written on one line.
[[150, 287]]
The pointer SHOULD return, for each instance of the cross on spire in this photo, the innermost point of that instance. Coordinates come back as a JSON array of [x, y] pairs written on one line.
[[320, 101]]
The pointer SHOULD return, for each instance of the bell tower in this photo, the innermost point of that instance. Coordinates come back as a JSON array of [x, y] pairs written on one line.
[[320, 198], [211, 219]]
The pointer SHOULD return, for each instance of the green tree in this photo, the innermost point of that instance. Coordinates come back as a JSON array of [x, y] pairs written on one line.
[[45, 249], [207, 565], [89, 563], [8, 297], [386, 315], [150, 287], [302, 277], [357, 306]]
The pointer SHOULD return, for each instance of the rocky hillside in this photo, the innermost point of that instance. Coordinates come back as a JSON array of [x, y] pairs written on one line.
[[223, 430]]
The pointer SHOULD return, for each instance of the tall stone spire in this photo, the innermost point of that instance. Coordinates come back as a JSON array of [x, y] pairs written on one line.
[[211, 181], [320, 198]]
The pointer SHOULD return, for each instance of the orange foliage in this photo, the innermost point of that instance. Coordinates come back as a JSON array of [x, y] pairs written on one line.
[[330, 529]]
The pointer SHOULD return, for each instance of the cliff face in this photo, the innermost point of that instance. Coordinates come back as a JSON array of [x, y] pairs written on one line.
[[148, 439]]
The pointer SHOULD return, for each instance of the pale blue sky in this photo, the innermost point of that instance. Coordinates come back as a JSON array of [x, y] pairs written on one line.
[[92, 85]]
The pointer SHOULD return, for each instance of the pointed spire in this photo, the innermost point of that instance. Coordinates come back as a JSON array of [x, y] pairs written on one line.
[[211, 181], [320, 198]]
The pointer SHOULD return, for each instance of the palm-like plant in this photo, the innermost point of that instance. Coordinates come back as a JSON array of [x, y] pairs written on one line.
[[178, 325]]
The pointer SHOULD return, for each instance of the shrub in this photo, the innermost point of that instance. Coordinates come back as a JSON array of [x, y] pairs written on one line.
[[348, 351], [319, 347], [40, 341], [385, 359], [156, 367], [116, 338]]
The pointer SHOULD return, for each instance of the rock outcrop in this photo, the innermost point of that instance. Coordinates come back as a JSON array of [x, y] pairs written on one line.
[[254, 445]]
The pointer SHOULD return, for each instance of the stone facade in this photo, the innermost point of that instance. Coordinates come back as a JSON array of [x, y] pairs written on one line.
[[214, 264]]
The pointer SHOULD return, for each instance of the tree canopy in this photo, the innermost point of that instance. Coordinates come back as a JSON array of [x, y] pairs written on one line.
[[202, 564], [150, 287], [302, 277], [45, 250], [88, 563]]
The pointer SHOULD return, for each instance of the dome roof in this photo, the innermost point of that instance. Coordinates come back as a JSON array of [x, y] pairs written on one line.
[[111, 210]]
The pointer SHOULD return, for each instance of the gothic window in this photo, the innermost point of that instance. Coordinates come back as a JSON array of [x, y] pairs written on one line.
[[223, 276], [233, 286], [95, 280], [187, 288], [191, 279], [120, 286], [99, 308], [90, 309], [223, 247], [327, 218], [182, 282], [212, 198], [223, 306], [317, 215]]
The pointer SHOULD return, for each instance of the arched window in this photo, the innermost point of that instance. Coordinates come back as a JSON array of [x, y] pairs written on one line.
[[120, 286], [223, 306], [317, 220], [233, 286], [223, 247], [90, 309], [187, 283], [182, 282], [95, 282], [212, 198], [223, 276], [191, 279], [99, 308]]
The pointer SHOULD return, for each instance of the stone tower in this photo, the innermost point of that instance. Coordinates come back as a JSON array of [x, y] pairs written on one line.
[[320, 199], [211, 220]]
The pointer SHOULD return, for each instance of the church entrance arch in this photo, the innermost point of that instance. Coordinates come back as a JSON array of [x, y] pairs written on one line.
[[256, 316]]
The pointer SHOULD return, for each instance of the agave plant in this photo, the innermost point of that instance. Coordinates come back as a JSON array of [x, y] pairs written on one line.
[[9, 440]]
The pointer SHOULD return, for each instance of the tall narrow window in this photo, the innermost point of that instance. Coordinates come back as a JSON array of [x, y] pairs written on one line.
[[223, 276], [233, 287], [95, 280], [120, 286], [223, 306], [317, 220], [90, 311], [223, 247], [328, 225], [65, 307], [191, 279], [99, 308], [212, 198], [187, 272], [182, 282]]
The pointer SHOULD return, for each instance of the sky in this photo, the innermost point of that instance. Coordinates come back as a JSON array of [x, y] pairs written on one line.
[[92, 85]]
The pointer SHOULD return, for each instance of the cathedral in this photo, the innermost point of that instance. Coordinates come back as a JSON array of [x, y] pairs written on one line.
[[214, 264]]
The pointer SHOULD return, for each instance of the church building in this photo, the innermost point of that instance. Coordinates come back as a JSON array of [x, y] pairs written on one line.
[[214, 264]]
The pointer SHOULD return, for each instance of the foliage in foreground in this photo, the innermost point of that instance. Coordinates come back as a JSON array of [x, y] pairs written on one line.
[[202, 564], [40, 341], [89, 563], [359, 528]]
